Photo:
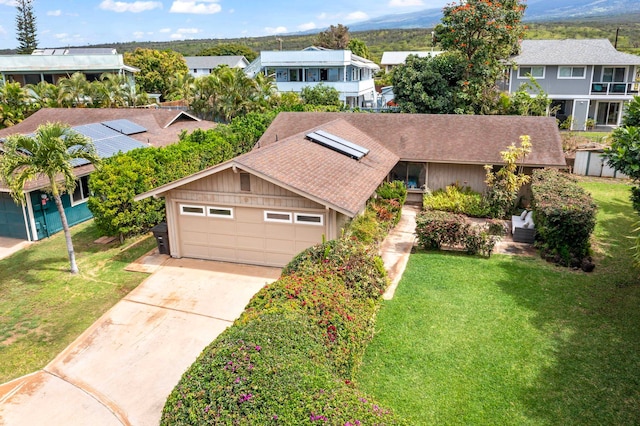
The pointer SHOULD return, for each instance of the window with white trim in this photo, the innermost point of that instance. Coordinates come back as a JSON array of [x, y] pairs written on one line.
[[273, 216], [189, 210], [223, 212], [571, 72], [309, 218], [81, 193], [535, 71]]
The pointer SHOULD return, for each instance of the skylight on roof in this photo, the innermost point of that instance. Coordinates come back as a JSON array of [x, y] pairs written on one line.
[[338, 144]]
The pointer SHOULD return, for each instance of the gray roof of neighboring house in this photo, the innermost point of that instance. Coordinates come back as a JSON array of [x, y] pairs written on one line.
[[63, 63], [572, 52], [77, 51], [211, 62], [397, 58]]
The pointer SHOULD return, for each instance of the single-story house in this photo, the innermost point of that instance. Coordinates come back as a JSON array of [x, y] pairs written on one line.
[[311, 173], [112, 130], [200, 66]]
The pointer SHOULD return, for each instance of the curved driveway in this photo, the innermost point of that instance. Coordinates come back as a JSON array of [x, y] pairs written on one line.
[[121, 369]]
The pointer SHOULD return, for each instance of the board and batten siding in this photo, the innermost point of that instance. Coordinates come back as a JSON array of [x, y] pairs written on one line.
[[442, 175], [224, 188]]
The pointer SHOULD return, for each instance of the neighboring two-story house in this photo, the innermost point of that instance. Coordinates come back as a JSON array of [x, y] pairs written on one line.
[[351, 75], [585, 79], [51, 65], [200, 66]]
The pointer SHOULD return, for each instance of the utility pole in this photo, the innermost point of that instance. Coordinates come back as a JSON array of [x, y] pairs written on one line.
[[615, 44]]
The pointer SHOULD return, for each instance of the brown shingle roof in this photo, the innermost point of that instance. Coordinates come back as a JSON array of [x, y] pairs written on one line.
[[331, 177], [459, 139], [163, 126]]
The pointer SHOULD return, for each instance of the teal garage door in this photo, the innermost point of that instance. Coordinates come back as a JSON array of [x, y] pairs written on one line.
[[11, 218]]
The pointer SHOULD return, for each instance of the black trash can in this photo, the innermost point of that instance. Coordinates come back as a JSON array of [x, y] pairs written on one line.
[[161, 234]]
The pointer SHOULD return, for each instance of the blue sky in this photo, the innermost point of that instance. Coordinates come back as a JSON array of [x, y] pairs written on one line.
[[83, 22]]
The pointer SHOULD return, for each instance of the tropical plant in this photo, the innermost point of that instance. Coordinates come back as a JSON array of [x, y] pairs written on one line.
[[50, 153], [14, 105], [156, 68], [74, 90], [320, 94]]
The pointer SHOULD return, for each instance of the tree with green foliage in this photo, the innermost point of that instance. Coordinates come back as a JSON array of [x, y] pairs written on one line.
[[230, 49], [320, 94], [530, 99], [156, 68], [74, 90], [14, 104], [486, 33], [50, 153], [504, 184], [334, 37], [359, 47], [430, 85], [26, 27]]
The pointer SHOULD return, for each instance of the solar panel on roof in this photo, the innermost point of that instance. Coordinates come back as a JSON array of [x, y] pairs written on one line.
[[107, 141], [124, 126], [338, 144]]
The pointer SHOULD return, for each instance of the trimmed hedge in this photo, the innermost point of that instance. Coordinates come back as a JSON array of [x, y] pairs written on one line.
[[290, 357], [565, 217], [437, 229], [457, 199]]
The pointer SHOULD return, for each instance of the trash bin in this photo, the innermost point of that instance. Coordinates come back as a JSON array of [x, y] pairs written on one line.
[[161, 234]]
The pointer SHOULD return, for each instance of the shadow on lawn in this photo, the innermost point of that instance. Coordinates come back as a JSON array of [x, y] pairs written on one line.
[[591, 322]]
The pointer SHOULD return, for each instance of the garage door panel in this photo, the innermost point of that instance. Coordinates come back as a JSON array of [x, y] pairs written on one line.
[[221, 240], [280, 246], [222, 253], [251, 243], [309, 233], [277, 259], [250, 229], [280, 231], [195, 250], [193, 237], [251, 256], [11, 218], [244, 214]]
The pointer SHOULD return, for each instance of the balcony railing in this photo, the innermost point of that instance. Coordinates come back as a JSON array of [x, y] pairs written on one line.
[[614, 88]]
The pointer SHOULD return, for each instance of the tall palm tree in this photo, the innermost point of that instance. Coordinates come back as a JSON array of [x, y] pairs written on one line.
[[74, 90], [181, 87], [43, 94], [50, 152]]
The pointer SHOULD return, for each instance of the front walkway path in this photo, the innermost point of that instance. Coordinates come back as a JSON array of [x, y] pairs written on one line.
[[121, 369], [396, 248]]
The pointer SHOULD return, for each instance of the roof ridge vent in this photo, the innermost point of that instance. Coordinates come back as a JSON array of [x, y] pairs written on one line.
[[338, 144]]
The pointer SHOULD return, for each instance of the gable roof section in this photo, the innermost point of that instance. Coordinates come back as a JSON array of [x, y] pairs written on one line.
[[438, 138], [310, 170], [163, 126], [572, 52]]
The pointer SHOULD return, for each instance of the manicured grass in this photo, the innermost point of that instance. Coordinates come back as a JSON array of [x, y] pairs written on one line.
[[511, 340], [43, 307]]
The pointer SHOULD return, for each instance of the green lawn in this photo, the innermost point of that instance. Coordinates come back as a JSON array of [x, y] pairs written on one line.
[[512, 340], [43, 307]]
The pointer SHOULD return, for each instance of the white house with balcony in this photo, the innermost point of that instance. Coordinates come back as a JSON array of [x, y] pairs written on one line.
[[351, 75], [585, 79]]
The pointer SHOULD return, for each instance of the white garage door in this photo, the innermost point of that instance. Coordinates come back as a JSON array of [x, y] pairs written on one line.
[[247, 235]]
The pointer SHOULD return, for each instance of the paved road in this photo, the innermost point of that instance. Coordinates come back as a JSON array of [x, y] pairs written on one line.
[[121, 370]]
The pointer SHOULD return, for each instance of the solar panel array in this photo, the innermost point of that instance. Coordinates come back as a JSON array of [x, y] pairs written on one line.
[[338, 144], [124, 126], [108, 142]]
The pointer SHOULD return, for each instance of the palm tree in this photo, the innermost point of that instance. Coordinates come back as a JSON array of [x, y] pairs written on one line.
[[50, 152], [74, 90], [43, 94], [181, 87]]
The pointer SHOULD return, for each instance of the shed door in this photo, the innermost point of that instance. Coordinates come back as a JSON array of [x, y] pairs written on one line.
[[11, 218], [247, 235]]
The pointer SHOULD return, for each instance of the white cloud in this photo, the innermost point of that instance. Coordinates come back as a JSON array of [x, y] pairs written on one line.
[[308, 26], [201, 7], [357, 16], [138, 34], [405, 3], [183, 33], [135, 7], [276, 30], [54, 12], [8, 2], [164, 30]]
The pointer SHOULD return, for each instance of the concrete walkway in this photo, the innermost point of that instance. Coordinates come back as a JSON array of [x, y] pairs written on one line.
[[8, 246], [396, 248], [121, 369]]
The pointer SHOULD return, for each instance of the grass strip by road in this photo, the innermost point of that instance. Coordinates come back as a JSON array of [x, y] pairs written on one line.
[[43, 307], [515, 341]]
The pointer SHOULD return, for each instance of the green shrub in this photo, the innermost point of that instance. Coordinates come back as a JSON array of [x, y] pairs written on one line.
[[565, 217], [436, 229], [456, 199], [395, 190]]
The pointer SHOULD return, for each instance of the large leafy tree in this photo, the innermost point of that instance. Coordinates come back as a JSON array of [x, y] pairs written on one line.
[[486, 33], [230, 49], [49, 152], [359, 48], [430, 85], [320, 94], [26, 27], [14, 105], [334, 37], [156, 68]]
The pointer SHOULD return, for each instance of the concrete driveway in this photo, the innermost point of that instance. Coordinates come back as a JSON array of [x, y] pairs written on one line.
[[8, 246], [121, 370]]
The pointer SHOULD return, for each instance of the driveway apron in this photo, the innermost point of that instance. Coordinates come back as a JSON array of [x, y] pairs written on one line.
[[121, 369]]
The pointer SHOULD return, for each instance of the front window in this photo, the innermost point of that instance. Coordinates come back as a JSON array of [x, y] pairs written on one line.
[[295, 74], [81, 193], [412, 174], [535, 72], [613, 74], [571, 72]]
